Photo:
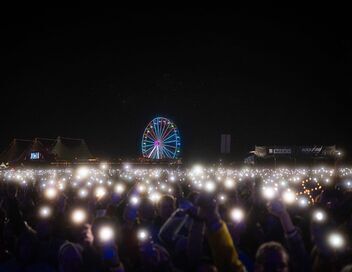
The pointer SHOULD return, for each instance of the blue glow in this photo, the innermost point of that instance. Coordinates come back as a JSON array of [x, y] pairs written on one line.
[[35, 156]]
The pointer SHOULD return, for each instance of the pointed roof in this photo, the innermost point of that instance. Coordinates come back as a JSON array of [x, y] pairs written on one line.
[[36, 146], [69, 149], [14, 150], [62, 149]]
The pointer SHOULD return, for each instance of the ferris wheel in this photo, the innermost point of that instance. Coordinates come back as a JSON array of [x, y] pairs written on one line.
[[161, 140]]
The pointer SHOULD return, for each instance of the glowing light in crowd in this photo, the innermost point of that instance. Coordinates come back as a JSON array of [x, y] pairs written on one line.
[[222, 198], [78, 216], [336, 240], [83, 172], [319, 215], [106, 233], [104, 165], [289, 197], [100, 192], [155, 197], [197, 170], [134, 200], [293, 185], [50, 193], [348, 184], [303, 202], [210, 186], [83, 193], [269, 193], [229, 183], [141, 188], [61, 186], [120, 188], [45, 212], [142, 235], [237, 214]]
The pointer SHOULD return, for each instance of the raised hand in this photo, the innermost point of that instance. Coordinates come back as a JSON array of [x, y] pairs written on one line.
[[276, 208]]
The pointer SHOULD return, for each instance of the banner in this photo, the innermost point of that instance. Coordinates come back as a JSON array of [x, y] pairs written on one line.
[[225, 143], [280, 151]]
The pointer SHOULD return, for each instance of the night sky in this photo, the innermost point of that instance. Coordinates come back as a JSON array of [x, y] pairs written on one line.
[[265, 76]]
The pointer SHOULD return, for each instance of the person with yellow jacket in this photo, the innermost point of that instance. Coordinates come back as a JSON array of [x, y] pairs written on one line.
[[222, 248]]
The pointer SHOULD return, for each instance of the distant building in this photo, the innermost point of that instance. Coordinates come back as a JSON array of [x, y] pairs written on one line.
[[43, 150], [291, 154]]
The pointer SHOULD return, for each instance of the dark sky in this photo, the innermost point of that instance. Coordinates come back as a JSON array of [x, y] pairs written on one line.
[[266, 76]]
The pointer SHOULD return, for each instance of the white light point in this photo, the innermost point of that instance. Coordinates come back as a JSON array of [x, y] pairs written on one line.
[[142, 235], [336, 240], [100, 192], [134, 200], [155, 197], [45, 212], [83, 172], [141, 188], [50, 193], [229, 183], [78, 216], [269, 193], [104, 165], [237, 214], [319, 216], [210, 186], [289, 197], [119, 188], [197, 170], [106, 233], [303, 202], [82, 193], [222, 198]]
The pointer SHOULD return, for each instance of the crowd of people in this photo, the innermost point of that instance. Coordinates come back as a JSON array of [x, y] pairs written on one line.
[[64, 225]]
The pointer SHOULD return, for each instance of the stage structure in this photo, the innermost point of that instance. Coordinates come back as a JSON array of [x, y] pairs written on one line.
[[44, 150], [292, 154], [161, 140]]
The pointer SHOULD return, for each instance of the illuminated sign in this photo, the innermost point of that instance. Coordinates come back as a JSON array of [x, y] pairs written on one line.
[[280, 151], [309, 150], [35, 156]]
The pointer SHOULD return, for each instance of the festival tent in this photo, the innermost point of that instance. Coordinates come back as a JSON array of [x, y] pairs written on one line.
[[45, 150], [14, 150], [69, 149], [36, 152]]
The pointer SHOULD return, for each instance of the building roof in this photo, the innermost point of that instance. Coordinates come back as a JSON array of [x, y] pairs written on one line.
[[59, 149], [68, 149]]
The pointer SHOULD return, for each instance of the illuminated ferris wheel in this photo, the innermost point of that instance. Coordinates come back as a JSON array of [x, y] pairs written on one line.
[[161, 140]]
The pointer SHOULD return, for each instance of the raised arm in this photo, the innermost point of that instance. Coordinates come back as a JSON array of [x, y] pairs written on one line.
[[169, 232], [296, 248], [195, 242], [223, 250]]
